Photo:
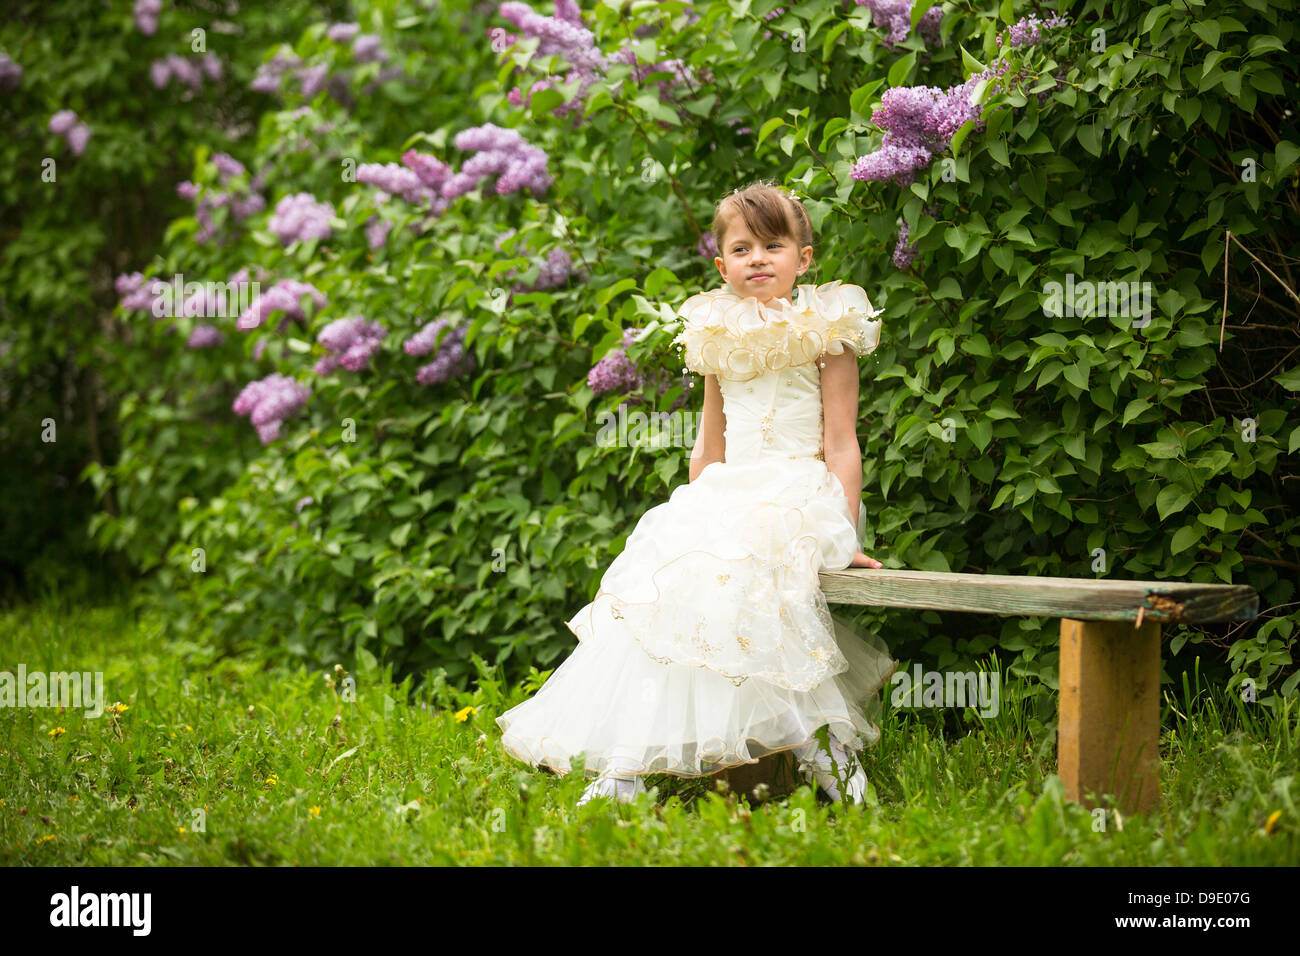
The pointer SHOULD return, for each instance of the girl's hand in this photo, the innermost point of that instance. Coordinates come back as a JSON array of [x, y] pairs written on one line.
[[860, 560]]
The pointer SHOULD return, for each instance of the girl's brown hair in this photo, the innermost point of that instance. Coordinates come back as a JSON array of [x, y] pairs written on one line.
[[769, 212]]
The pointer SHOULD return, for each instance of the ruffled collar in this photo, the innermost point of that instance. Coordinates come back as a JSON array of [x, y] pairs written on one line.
[[741, 337]]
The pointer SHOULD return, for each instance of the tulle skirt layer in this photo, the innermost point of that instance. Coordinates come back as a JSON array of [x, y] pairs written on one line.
[[709, 643]]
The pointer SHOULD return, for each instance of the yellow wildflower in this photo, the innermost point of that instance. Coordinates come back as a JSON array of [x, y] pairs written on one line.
[[462, 715], [40, 840], [57, 732], [314, 811], [1272, 821]]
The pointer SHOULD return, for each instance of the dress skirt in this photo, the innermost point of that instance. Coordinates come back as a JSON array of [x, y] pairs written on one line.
[[709, 643]]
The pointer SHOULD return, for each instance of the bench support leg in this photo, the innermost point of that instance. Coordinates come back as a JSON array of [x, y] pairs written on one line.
[[1110, 712]]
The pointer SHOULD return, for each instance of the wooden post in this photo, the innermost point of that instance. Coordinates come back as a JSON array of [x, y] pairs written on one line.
[[1109, 737]]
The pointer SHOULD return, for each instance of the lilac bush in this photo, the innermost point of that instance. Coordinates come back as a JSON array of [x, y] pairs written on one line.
[[351, 342], [268, 402]]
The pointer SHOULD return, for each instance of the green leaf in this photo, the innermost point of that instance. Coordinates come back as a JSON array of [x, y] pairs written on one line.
[[1207, 30], [1089, 138], [1184, 538], [998, 150], [1290, 379], [1284, 157], [959, 137], [969, 63], [766, 130], [1172, 500], [1133, 410], [898, 72]]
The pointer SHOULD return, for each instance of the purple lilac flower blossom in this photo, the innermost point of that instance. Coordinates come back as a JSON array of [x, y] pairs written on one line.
[[146, 16], [10, 73], [301, 217], [896, 17], [708, 245], [919, 121], [270, 73], [367, 48], [1028, 31], [205, 336], [342, 32], [268, 402], [502, 153], [285, 296], [377, 229], [616, 372], [451, 359], [135, 292], [351, 342], [904, 253]]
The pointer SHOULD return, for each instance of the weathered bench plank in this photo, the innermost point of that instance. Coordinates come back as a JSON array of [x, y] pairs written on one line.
[[1082, 599], [1109, 735]]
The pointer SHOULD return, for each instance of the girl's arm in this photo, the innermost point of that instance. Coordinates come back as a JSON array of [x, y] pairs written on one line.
[[840, 435], [710, 445]]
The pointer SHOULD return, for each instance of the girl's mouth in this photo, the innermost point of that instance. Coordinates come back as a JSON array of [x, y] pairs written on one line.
[[760, 277]]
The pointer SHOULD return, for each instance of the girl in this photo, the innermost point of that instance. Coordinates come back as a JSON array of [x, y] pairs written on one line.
[[709, 643]]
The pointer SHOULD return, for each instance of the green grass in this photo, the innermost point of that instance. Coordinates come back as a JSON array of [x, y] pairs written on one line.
[[285, 773]]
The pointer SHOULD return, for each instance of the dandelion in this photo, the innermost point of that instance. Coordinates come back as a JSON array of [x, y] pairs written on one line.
[[57, 732], [314, 811], [462, 715]]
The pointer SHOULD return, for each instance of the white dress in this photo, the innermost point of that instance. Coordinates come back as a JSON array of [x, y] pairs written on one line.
[[709, 642]]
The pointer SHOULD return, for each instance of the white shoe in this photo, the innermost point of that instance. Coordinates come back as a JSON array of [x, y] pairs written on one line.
[[625, 789], [824, 770]]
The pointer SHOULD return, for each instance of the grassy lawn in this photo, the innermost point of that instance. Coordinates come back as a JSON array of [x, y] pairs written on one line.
[[231, 761]]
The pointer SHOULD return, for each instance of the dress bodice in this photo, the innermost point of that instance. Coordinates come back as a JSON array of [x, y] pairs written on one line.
[[765, 355], [774, 414]]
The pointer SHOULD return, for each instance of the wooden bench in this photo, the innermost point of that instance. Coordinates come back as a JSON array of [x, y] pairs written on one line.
[[1109, 736]]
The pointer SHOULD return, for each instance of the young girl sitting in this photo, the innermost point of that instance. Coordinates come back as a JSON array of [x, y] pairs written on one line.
[[709, 643]]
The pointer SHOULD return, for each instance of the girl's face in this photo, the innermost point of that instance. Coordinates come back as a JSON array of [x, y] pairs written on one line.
[[763, 270]]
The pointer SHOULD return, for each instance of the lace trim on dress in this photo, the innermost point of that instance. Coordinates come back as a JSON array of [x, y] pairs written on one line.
[[724, 334]]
